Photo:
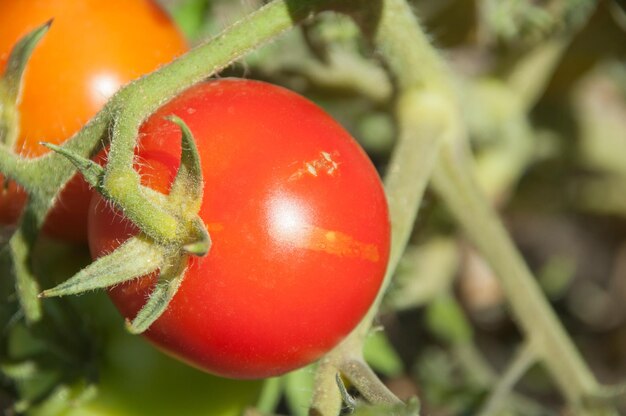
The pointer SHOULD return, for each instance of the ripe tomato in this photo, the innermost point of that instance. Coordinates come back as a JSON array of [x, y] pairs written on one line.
[[298, 220], [92, 48]]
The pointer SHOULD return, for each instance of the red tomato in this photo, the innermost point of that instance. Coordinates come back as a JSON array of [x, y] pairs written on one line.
[[92, 48], [299, 224]]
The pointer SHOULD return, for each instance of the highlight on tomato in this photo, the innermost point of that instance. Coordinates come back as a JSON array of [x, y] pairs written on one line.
[[298, 222], [91, 49]]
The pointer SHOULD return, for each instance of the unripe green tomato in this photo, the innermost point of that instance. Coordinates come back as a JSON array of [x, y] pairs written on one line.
[[135, 379]]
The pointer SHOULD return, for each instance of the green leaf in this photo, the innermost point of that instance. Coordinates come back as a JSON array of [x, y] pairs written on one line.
[[169, 281], [447, 320], [299, 387], [270, 395], [190, 16], [19, 371], [136, 257], [380, 354], [187, 190]]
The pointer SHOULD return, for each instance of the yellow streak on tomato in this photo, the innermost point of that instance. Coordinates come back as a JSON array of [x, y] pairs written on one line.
[[214, 226], [339, 244]]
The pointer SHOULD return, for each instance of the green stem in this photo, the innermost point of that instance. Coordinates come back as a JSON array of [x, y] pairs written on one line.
[[270, 395], [405, 182], [522, 361], [326, 400], [427, 115], [368, 383], [453, 180], [26, 286], [45, 176]]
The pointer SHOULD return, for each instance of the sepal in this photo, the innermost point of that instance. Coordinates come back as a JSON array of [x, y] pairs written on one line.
[[135, 258], [11, 83], [91, 171], [142, 255], [169, 281], [202, 243], [349, 401], [188, 184]]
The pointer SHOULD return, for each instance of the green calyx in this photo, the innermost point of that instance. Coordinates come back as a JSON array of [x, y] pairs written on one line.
[[144, 254], [11, 84]]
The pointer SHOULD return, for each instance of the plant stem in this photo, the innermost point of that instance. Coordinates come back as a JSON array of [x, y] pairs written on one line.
[[522, 361], [270, 395], [26, 286], [453, 179], [43, 178], [326, 400], [368, 383], [427, 115]]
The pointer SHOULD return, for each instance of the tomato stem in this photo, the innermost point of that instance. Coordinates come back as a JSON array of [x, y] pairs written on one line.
[[524, 358], [26, 286], [427, 115], [367, 382]]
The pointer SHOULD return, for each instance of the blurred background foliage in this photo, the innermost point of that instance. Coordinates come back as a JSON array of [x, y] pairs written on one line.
[[543, 88]]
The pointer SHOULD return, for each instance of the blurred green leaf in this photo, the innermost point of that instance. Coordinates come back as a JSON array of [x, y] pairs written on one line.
[[191, 17], [380, 354], [270, 395], [556, 275], [298, 390], [446, 319]]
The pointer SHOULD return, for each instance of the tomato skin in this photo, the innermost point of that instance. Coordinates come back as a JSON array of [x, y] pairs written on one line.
[[91, 50], [298, 220]]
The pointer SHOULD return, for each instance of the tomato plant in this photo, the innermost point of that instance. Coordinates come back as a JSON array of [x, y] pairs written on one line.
[[90, 51], [298, 221]]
